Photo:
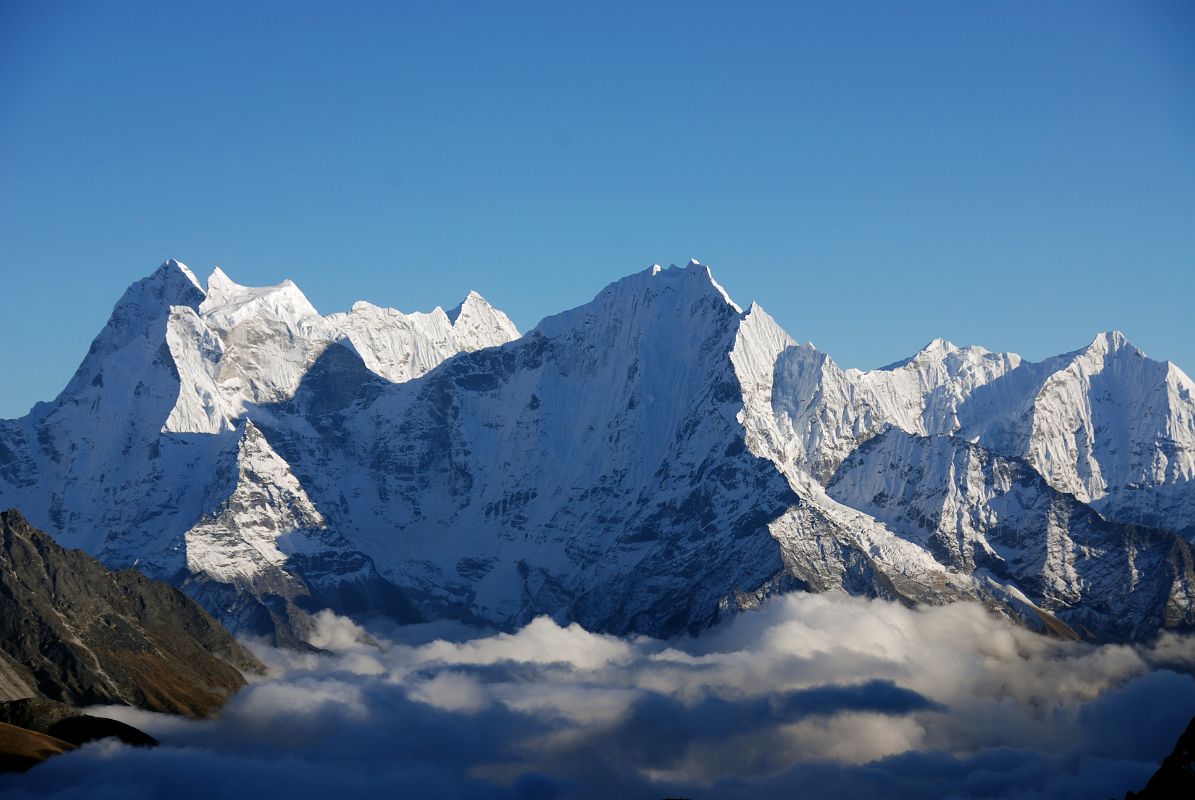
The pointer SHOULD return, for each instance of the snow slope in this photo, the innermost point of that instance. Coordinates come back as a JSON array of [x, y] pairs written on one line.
[[982, 513], [148, 457], [1104, 423], [649, 461]]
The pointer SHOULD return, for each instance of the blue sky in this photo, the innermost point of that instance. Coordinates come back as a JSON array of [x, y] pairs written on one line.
[[1017, 175]]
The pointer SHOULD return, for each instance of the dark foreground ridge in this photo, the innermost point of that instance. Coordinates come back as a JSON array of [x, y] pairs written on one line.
[[1176, 776], [33, 729], [75, 632]]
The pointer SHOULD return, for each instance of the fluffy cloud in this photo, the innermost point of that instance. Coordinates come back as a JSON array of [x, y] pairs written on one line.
[[837, 696]]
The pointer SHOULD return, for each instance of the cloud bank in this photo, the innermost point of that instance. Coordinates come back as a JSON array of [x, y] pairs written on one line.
[[811, 696]]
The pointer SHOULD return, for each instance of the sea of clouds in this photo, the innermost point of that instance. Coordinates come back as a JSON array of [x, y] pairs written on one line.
[[811, 696]]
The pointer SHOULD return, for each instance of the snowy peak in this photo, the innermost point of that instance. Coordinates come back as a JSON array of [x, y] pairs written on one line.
[[148, 300], [976, 510], [229, 303], [241, 540], [703, 277], [399, 346], [171, 266], [945, 357], [937, 345], [1117, 429], [935, 350], [646, 300], [246, 345], [472, 301], [1110, 342], [128, 345], [645, 461], [477, 324]]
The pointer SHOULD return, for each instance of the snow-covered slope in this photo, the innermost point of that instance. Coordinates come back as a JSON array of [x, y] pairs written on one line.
[[982, 513], [1104, 423], [247, 346], [647, 462], [592, 470], [827, 411], [148, 457], [597, 469]]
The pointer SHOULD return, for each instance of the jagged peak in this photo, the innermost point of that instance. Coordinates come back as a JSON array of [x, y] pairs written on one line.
[[141, 313], [654, 287], [693, 270], [939, 349], [219, 285], [1110, 341], [227, 300], [939, 345], [475, 317], [172, 283], [808, 353], [1104, 344], [173, 267], [253, 446], [709, 274], [472, 300], [149, 300], [219, 278]]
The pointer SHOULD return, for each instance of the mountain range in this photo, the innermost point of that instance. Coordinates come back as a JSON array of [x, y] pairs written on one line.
[[648, 462]]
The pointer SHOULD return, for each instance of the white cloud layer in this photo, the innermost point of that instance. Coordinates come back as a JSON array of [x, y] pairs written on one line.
[[839, 697]]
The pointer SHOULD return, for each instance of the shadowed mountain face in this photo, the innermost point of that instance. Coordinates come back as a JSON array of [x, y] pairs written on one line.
[[75, 632], [646, 462], [594, 470], [1176, 777]]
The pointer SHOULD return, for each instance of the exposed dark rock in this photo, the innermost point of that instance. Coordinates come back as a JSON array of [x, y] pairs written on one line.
[[1176, 777], [75, 632]]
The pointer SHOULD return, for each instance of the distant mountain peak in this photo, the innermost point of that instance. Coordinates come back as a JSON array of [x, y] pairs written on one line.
[[494, 475], [472, 300], [228, 303], [939, 345], [695, 271], [171, 266], [1111, 341]]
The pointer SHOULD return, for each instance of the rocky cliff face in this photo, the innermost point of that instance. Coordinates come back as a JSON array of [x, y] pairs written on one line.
[[75, 632], [997, 517], [1105, 423], [646, 462]]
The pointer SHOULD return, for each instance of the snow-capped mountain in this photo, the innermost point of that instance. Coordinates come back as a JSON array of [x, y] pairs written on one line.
[[149, 457], [646, 462], [1105, 423], [993, 516]]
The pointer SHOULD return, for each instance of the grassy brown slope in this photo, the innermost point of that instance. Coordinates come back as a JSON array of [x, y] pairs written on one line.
[[21, 748], [88, 635]]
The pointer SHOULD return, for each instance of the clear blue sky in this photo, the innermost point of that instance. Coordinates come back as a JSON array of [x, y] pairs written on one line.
[[1017, 175]]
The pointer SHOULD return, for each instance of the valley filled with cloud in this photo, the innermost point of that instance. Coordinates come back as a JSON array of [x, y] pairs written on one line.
[[836, 696]]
